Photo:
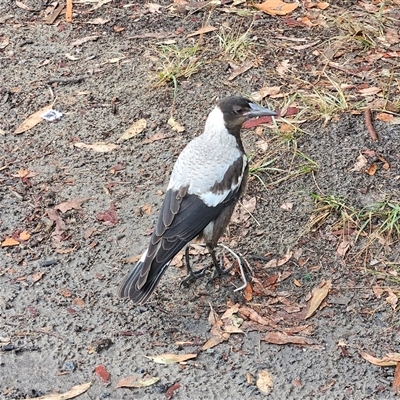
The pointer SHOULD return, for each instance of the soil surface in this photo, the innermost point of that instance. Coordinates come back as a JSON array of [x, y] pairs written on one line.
[[60, 316]]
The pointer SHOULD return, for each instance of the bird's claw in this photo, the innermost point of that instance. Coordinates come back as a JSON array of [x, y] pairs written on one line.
[[191, 276], [218, 271]]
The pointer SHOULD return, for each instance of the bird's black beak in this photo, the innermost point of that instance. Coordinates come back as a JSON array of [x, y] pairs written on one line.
[[258, 111]]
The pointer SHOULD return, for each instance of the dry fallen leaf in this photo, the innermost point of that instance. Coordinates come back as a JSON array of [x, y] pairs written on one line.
[[109, 216], [203, 30], [369, 91], [24, 235], [136, 128], [266, 91], [371, 169], [389, 360], [74, 392], [20, 4], [276, 337], [385, 165], [392, 299], [384, 117], [322, 5], [100, 147], [264, 382], [84, 40], [171, 390], [134, 382], [343, 247], [171, 358], [175, 125], [276, 7], [248, 292], [360, 163], [9, 242], [318, 296], [103, 374], [240, 70], [70, 205], [32, 120], [98, 21], [37, 276]]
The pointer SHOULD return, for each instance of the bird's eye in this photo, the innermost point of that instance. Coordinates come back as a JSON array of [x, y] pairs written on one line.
[[237, 109]]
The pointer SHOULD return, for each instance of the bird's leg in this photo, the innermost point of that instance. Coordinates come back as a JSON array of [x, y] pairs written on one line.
[[191, 275], [219, 270]]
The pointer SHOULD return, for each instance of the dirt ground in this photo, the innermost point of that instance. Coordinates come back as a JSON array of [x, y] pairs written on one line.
[[60, 316]]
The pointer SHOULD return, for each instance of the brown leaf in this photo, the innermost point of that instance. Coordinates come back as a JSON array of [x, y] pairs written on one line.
[[276, 337], [319, 295], [84, 40], [385, 165], [78, 302], [71, 205], [109, 216], [369, 91], [8, 242], [32, 120], [203, 30], [392, 299], [371, 169], [20, 4], [99, 147], [254, 316], [24, 235], [146, 209], [171, 358], [360, 163], [389, 360], [276, 7], [136, 128], [60, 225], [266, 91], [240, 70], [134, 382], [103, 374], [343, 248], [74, 392], [322, 5], [385, 117], [248, 292], [264, 382], [37, 276], [171, 391]]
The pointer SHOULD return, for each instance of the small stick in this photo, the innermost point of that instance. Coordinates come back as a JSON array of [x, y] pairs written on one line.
[[65, 81], [368, 123], [68, 13]]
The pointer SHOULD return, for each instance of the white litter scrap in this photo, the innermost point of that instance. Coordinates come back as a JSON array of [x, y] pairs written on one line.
[[51, 115]]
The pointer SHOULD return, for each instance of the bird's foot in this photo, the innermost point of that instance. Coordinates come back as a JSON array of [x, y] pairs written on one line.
[[192, 276], [219, 271]]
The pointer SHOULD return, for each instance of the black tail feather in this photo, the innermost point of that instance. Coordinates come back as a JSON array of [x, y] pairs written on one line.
[[129, 286]]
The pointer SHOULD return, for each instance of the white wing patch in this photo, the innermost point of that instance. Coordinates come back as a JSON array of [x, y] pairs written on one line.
[[213, 199]]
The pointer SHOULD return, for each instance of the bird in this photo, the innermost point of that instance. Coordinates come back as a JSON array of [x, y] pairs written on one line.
[[207, 180]]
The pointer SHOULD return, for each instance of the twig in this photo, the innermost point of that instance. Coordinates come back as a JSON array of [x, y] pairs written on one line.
[[65, 81], [368, 123], [68, 13]]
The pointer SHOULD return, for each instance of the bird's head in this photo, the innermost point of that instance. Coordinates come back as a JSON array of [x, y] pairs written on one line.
[[236, 110]]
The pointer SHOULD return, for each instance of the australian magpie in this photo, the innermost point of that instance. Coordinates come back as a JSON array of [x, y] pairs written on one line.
[[206, 182]]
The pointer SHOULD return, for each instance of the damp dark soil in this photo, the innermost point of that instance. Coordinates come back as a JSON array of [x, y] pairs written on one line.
[[60, 317]]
